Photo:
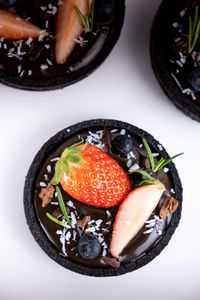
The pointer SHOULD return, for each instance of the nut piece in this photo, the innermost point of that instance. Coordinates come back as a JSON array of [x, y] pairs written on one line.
[[82, 223], [46, 195], [169, 206], [111, 261]]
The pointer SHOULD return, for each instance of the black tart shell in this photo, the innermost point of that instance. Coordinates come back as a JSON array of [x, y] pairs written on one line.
[[158, 53], [59, 82], [38, 232]]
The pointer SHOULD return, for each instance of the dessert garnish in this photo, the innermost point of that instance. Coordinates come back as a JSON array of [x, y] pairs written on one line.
[[138, 206], [154, 167], [82, 223], [111, 261], [68, 27], [63, 210], [194, 30], [46, 195], [87, 20], [168, 207], [89, 246], [14, 27], [122, 144], [92, 176]]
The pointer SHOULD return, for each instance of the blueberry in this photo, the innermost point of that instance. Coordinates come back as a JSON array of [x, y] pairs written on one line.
[[194, 80], [104, 10], [122, 144], [7, 3], [88, 246]]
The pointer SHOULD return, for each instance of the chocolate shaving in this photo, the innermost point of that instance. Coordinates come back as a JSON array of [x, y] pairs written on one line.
[[82, 223], [36, 50], [46, 195], [57, 213], [111, 261], [145, 163], [181, 45], [169, 206], [106, 141]]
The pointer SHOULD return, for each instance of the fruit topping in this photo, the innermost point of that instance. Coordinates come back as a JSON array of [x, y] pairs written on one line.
[[132, 214], [7, 3], [14, 27], [168, 207], [88, 246], [68, 27], [92, 176], [46, 195], [194, 80], [111, 261], [138, 206], [122, 144], [104, 10]]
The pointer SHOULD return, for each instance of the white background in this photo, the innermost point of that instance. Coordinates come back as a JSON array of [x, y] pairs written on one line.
[[123, 88]]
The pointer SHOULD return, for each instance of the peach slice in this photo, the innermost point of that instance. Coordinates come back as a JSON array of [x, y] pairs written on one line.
[[14, 27], [136, 208], [68, 27]]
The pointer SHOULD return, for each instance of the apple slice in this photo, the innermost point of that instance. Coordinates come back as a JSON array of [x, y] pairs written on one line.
[[136, 208], [68, 27], [14, 27]]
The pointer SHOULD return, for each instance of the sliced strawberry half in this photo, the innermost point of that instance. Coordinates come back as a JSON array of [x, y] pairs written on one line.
[[68, 27], [14, 27], [136, 208]]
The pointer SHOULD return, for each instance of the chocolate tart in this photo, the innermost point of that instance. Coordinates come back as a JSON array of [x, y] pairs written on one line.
[[31, 65], [171, 59], [148, 243]]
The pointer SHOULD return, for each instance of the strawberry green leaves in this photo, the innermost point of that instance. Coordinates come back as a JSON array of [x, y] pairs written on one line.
[[63, 210], [68, 156]]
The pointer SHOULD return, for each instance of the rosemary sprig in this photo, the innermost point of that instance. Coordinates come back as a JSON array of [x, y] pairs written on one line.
[[57, 221], [88, 20], [154, 167], [63, 209], [151, 159], [62, 205], [194, 30]]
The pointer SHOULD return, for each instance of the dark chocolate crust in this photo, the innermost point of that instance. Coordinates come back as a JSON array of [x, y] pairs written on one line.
[[158, 46], [40, 235], [61, 82]]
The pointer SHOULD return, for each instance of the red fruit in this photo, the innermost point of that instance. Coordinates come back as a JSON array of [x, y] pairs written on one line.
[[14, 27], [136, 208], [97, 180], [68, 27]]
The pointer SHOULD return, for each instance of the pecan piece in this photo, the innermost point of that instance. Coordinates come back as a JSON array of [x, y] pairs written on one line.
[[82, 223], [169, 206], [111, 261], [46, 195]]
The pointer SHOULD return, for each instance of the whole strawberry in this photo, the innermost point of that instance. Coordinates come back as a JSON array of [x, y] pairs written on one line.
[[92, 176]]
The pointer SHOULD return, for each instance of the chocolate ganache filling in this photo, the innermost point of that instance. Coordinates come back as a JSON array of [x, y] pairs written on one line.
[[101, 219]]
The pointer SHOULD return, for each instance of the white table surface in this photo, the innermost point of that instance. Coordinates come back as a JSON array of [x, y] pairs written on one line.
[[123, 88]]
